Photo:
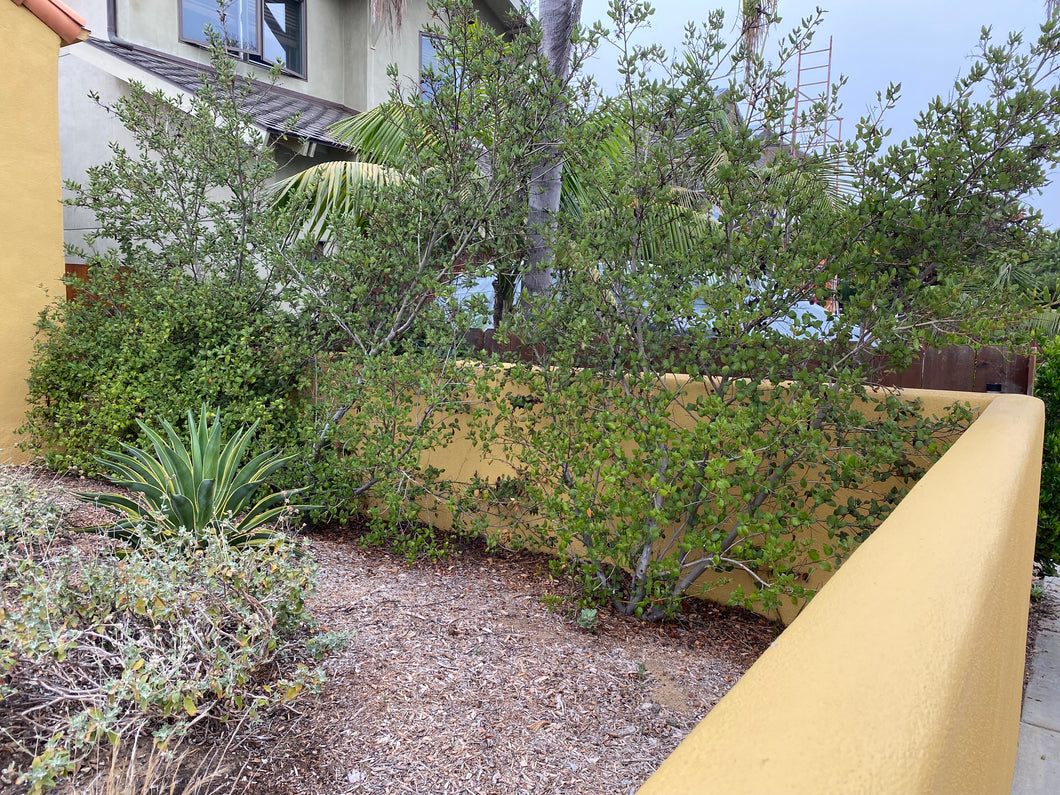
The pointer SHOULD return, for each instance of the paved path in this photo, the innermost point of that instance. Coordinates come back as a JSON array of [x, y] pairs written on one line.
[[1038, 760]]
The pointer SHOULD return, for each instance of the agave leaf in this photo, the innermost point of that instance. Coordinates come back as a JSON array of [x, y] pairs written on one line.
[[196, 486], [175, 460], [247, 480], [204, 507], [241, 496], [113, 502], [182, 511], [258, 518], [252, 539], [228, 461], [197, 442], [173, 452], [136, 465], [269, 508], [153, 495], [209, 444], [263, 469], [238, 499], [118, 531]]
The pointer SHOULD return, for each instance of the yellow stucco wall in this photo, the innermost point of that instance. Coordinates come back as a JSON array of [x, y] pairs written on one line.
[[904, 674], [31, 222]]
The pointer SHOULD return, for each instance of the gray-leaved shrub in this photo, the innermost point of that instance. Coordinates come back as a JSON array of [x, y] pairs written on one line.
[[96, 646]]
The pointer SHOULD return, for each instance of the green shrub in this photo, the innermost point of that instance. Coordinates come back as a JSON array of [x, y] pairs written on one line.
[[172, 345], [704, 248], [199, 487], [376, 421], [96, 647], [1047, 387], [645, 487], [191, 302], [209, 295]]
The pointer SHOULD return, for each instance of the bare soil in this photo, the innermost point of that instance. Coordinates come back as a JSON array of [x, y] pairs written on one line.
[[472, 675]]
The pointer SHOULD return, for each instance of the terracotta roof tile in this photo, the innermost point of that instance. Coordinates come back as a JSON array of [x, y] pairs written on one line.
[[68, 25]]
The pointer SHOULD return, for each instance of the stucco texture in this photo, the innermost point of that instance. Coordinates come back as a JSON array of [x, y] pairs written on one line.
[[904, 674], [31, 223]]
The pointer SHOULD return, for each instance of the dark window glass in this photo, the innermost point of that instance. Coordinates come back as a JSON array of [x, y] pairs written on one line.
[[282, 35]]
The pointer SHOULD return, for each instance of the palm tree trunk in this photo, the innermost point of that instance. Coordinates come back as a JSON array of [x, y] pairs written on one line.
[[558, 20]]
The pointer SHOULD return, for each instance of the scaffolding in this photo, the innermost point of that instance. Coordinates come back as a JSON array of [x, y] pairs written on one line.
[[810, 135]]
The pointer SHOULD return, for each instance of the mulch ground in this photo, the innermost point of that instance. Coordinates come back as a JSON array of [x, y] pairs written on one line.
[[459, 679], [472, 675]]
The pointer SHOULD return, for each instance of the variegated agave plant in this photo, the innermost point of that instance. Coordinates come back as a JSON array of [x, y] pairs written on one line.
[[200, 487]]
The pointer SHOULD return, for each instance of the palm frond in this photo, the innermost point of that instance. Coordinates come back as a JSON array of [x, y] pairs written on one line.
[[329, 191], [1046, 321], [373, 136]]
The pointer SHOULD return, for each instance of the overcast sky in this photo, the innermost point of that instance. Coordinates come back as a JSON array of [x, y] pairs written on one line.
[[923, 45]]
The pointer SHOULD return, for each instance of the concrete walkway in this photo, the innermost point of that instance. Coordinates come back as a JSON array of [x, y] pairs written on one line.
[[1038, 760]]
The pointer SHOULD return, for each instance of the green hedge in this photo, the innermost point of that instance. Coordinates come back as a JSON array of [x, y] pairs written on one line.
[[1047, 387]]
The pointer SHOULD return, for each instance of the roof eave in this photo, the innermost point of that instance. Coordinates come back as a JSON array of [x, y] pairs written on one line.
[[511, 14]]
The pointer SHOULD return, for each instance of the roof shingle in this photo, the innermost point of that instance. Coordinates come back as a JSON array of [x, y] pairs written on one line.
[[271, 107]]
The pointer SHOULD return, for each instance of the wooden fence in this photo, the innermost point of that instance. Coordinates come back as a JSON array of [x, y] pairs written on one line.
[[963, 369], [960, 368]]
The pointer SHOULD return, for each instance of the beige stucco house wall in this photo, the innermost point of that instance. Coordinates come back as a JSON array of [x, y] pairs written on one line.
[[348, 46], [347, 51], [31, 219]]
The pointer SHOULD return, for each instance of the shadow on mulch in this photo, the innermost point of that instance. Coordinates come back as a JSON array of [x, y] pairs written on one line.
[[703, 624]]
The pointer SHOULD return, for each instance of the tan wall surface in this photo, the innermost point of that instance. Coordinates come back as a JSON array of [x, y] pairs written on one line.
[[904, 674], [461, 459], [31, 221]]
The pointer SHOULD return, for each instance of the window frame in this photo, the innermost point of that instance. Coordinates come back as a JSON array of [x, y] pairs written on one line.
[[256, 56]]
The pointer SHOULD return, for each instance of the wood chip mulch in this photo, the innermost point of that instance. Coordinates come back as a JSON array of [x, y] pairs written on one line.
[[471, 675], [460, 678]]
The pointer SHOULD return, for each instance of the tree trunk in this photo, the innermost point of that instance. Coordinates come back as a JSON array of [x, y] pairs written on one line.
[[558, 20]]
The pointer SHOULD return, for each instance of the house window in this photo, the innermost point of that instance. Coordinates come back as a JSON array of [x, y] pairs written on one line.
[[428, 60], [258, 31]]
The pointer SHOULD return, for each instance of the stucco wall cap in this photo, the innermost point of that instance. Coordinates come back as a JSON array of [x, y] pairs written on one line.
[[67, 23]]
